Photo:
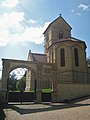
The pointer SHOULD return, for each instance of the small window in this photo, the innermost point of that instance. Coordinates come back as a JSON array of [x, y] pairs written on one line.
[[62, 55], [76, 57], [60, 35], [52, 56]]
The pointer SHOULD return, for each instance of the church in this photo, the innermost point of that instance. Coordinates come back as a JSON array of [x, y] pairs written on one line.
[[65, 57]]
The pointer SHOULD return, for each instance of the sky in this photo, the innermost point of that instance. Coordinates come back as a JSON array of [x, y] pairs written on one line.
[[22, 23]]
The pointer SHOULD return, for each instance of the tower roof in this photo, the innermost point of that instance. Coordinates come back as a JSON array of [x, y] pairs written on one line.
[[60, 17]]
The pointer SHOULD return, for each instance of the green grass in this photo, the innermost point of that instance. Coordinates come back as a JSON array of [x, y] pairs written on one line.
[[31, 90], [48, 90]]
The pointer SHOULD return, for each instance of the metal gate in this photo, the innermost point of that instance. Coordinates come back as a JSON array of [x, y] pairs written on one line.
[[21, 97], [46, 97]]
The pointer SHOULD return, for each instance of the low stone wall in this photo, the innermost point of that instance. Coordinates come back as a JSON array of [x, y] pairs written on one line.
[[70, 91]]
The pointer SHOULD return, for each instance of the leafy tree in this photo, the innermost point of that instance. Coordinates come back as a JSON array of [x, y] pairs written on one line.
[[21, 84], [12, 81]]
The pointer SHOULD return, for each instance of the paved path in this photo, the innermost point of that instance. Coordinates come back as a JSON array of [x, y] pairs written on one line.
[[51, 111]]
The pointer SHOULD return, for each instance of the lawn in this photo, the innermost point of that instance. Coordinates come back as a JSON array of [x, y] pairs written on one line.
[[48, 90]]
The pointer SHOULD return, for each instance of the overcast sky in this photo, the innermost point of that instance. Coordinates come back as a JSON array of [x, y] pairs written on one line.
[[22, 23]]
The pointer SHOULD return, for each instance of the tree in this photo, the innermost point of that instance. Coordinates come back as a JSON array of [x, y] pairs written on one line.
[[21, 84], [12, 81]]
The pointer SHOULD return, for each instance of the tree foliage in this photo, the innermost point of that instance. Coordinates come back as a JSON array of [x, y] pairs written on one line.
[[12, 81], [14, 84], [21, 84]]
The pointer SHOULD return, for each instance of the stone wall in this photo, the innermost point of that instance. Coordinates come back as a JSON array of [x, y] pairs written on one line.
[[44, 76], [88, 75], [70, 91]]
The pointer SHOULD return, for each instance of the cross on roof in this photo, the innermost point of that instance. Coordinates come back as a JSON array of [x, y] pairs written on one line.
[[60, 15]]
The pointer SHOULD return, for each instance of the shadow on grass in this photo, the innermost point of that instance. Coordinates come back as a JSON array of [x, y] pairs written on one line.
[[34, 108]]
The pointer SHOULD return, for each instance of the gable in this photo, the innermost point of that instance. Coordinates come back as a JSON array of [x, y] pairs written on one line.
[[59, 23], [36, 57]]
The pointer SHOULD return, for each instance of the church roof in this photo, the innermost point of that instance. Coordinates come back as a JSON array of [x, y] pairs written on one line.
[[39, 57], [60, 17], [36, 57], [71, 39]]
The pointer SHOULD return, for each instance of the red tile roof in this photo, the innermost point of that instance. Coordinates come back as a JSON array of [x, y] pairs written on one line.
[[36, 57]]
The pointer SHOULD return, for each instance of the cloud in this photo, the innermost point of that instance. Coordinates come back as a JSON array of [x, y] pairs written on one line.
[[13, 30], [10, 3], [19, 72], [78, 14], [34, 34], [10, 26], [72, 10], [84, 7], [11, 20], [32, 21], [81, 7]]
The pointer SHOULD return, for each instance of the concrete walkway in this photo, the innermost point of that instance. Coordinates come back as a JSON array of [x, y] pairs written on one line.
[[76, 110]]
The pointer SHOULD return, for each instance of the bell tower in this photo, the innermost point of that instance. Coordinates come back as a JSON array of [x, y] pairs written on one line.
[[57, 31], [67, 52], [69, 56]]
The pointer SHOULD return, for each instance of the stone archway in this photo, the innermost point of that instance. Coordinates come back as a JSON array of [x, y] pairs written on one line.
[[9, 65], [40, 70]]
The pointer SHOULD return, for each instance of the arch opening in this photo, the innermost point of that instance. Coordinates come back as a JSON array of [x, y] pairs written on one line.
[[19, 85]]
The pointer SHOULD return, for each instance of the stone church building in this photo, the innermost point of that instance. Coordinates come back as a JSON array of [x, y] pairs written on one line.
[[66, 57], [62, 68]]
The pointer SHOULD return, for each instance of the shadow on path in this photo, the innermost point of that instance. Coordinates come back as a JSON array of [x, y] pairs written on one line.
[[49, 108], [34, 108], [2, 114], [79, 99]]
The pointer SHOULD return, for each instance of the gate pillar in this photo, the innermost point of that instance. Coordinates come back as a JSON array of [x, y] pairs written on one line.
[[38, 84], [38, 97], [37, 93], [4, 86]]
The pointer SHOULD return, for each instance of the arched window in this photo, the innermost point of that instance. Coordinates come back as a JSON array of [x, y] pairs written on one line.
[[62, 56], [76, 57], [60, 34], [52, 56]]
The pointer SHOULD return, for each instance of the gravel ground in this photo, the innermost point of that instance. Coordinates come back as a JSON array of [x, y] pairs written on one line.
[[76, 110]]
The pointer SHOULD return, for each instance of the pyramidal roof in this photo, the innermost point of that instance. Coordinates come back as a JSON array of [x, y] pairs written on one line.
[[60, 17]]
